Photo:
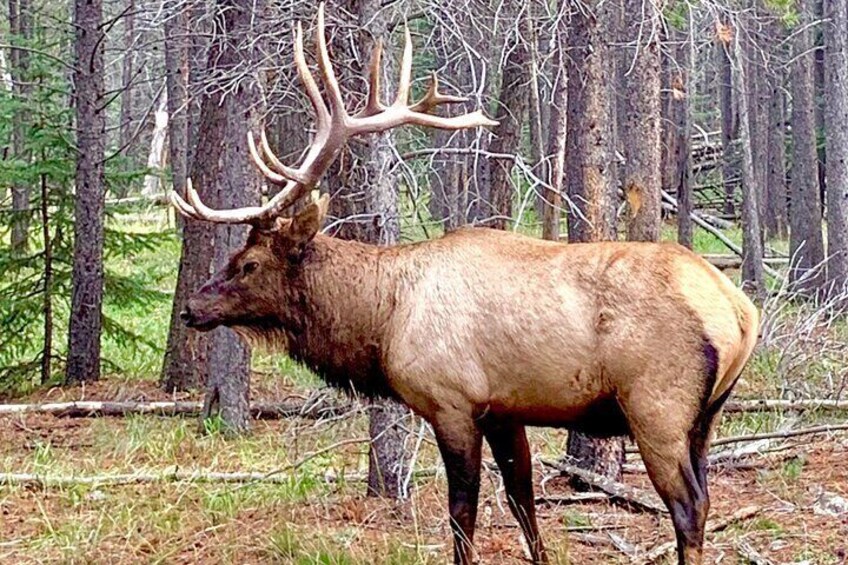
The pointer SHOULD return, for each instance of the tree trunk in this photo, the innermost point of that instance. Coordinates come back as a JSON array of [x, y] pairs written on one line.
[[556, 140], [126, 126], [752, 243], [729, 126], [757, 107], [590, 178], [184, 366], [805, 238], [364, 184], [589, 167], [20, 27], [512, 109], [775, 186], [681, 81], [87, 296], [640, 127], [836, 130], [225, 171]]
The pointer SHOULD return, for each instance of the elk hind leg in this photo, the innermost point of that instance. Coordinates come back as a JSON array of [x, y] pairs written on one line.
[[512, 454], [677, 469]]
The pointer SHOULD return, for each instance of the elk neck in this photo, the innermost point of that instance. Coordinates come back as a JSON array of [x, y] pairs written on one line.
[[336, 310]]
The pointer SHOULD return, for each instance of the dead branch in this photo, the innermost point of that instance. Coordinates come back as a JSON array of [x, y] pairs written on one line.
[[766, 405], [259, 410], [575, 498], [718, 234], [33, 480], [824, 429], [617, 491], [724, 262], [747, 551], [666, 548]]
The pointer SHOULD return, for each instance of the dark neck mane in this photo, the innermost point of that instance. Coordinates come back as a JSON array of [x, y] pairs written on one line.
[[335, 310]]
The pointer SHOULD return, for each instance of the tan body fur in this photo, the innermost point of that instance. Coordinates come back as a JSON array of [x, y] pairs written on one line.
[[482, 332]]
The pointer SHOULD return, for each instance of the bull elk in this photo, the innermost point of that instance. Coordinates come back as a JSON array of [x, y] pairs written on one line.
[[484, 332]]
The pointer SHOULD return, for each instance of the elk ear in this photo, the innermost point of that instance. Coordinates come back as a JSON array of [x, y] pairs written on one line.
[[307, 222]]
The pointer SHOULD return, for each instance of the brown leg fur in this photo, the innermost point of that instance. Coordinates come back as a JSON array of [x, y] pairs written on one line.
[[676, 467], [459, 442], [512, 454]]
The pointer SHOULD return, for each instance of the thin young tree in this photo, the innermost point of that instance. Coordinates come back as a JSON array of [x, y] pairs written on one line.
[[753, 275], [806, 244], [85, 323], [184, 364], [20, 28], [513, 103], [836, 139]]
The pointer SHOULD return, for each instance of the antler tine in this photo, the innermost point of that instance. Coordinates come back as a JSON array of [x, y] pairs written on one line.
[[322, 115], [334, 128], [182, 206], [282, 176], [405, 80], [373, 106], [280, 167], [327, 73], [434, 98]]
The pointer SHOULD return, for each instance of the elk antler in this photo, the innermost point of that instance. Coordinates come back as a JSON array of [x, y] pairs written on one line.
[[334, 127]]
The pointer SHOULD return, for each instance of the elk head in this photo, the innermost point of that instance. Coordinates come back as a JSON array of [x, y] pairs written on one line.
[[243, 292]]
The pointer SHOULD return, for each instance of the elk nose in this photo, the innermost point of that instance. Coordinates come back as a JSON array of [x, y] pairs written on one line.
[[185, 315]]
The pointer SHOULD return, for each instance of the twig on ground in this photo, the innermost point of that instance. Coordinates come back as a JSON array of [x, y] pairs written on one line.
[[576, 498], [827, 428], [664, 549], [747, 551], [617, 491]]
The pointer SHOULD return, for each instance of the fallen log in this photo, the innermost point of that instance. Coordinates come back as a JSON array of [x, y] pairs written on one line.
[[34, 480], [94, 408], [717, 233], [616, 490], [768, 404], [827, 428], [724, 262]]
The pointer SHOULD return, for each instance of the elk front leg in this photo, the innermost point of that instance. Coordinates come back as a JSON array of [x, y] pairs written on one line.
[[512, 454], [459, 442]]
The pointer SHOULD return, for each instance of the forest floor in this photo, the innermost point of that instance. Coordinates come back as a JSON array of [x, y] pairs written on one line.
[[316, 512], [319, 514]]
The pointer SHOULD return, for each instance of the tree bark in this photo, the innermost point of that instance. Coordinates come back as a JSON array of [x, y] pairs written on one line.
[[729, 126], [20, 28], [224, 169], [775, 186], [590, 177], [752, 244], [680, 118], [184, 366], [805, 239], [512, 109], [87, 296], [640, 127], [364, 185], [556, 140], [836, 131], [126, 125]]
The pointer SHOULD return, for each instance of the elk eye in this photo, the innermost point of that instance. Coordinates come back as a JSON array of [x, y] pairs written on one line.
[[249, 267]]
